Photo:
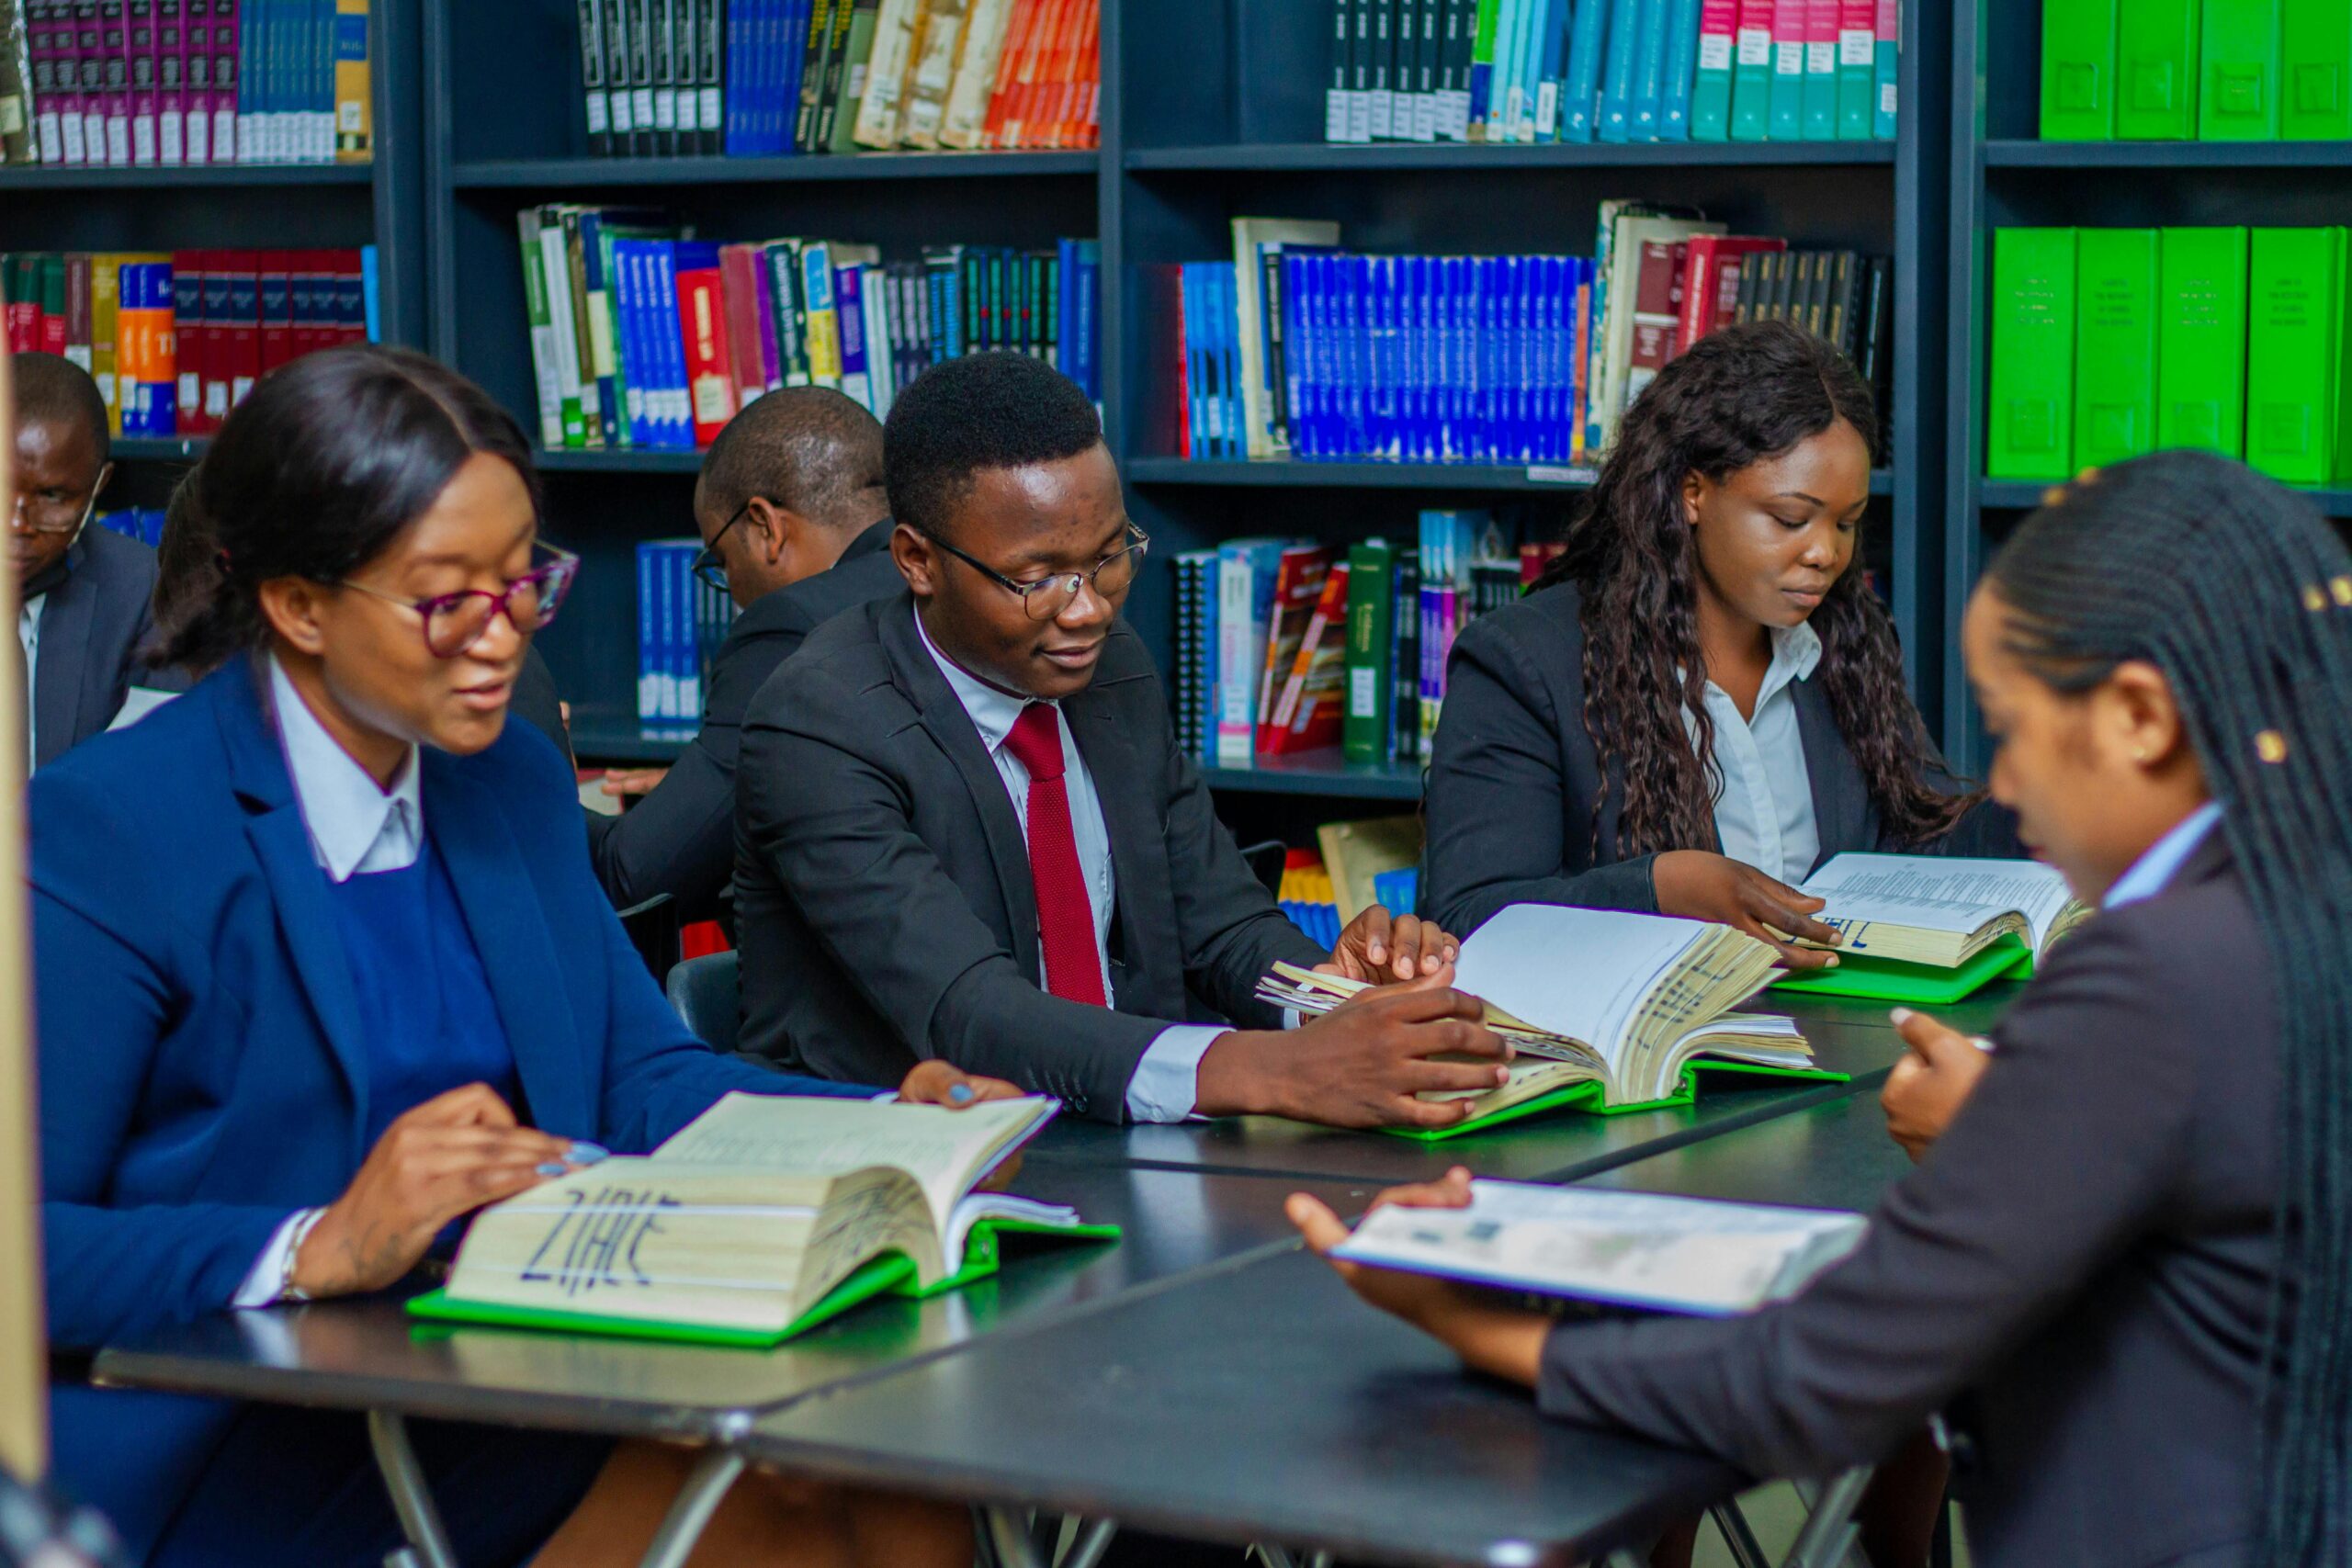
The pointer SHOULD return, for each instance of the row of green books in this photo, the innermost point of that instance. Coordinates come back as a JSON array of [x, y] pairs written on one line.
[[2109, 343], [2196, 70]]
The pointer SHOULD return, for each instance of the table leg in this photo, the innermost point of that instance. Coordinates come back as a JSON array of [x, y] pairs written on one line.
[[1093, 1540], [690, 1513], [1738, 1538], [411, 1500], [1830, 1531], [1009, 1533]]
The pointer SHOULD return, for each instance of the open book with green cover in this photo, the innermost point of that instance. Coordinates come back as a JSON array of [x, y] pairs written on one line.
[[763, 1217], [1609, 1011], [1931, 928]]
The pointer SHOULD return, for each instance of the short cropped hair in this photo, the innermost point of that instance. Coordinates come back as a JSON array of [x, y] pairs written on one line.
[[807, 448], [983, 411], [52, 388]]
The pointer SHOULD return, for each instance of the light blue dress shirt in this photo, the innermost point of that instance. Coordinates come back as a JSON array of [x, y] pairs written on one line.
[[2162, 861], [1764, 804]]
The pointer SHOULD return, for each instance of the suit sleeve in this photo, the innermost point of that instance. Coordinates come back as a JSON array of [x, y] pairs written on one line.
[[2055, 1166], [106, 991], [1498, 803], [832, 826]]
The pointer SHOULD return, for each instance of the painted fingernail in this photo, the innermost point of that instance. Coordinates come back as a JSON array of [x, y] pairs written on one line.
[[587, 1153], [960, 1093], [1901, 1015], [553, 1167]]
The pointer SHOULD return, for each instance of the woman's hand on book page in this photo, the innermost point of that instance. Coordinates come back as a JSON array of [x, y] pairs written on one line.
[[1383, 949], [1496, 1341], [1931, 1082], [445, 1157], [1699, 885], [942, 1083]]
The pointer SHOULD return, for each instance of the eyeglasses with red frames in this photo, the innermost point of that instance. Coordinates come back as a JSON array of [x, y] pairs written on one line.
[[454, 623]]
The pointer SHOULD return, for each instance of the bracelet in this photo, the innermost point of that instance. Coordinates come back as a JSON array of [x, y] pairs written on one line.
[[288, 1291]]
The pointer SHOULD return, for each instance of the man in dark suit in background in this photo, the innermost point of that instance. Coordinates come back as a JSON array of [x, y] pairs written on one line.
[[795, 526], [85, 591], [966, 829]]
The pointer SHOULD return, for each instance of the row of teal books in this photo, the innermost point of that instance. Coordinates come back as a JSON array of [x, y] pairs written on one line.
[[2109, 343], [2196, 70], [681, 621]]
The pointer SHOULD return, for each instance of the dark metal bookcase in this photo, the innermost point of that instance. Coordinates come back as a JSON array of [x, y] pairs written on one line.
[[2004, 176], [45, 207], [1221, 114], [505, 129]]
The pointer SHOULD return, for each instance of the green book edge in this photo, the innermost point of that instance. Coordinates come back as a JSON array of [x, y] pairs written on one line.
[[893, 1271], [1887, 979], [1586, 1097]]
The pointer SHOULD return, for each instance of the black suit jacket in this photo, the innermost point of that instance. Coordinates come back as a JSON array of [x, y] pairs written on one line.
[[680, 838], [1513, 775], [2086, 1254], [94, 628], [882, 888]]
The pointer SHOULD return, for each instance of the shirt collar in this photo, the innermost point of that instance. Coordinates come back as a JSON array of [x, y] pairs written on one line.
[[1797, 652], [344, 808], [2162, 861], [991, 710]]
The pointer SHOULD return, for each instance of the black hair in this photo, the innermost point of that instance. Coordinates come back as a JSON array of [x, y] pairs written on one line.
[[1736, 397], [187, 572], [52, 388], [2240, 593], [317, 472], [807, 448], [983, 411]]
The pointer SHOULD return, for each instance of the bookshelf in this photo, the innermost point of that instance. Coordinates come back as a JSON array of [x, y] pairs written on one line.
[[2003, 176]]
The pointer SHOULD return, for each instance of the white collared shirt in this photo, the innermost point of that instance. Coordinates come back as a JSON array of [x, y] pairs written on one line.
[[28, 634], [1166, 1084], [2162, 861], [1764, 807]]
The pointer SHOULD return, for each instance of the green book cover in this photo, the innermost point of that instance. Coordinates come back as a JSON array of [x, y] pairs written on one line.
[[2293, 362], [856, 53], [1483, 111], [2155, 70], [1751, 72], [2200, 340], [2078, 70], [2115, 345], [1371, 685], [2028, 430], [542, 329], [2315, 70], [1586, 1098], [2237, 78], [1921, 984]]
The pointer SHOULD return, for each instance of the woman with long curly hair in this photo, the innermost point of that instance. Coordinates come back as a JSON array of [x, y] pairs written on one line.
[[1702, 701]]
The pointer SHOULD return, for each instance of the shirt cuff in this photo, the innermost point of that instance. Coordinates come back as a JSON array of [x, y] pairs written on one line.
[[266, 1284], [1167, 1084]]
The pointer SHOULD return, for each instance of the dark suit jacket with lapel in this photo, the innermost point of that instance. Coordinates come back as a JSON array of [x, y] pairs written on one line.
[[94, 626], [203, 1069], [2086, 1255], [882, 883], [680, 838], [1513, 777]]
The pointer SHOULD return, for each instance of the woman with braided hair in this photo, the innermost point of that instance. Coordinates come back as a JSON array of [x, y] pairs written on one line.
[[2123, 1270], [1702, 701]]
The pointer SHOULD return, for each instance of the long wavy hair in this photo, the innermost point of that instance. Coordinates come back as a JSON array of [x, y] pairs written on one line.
[[1737, 397]]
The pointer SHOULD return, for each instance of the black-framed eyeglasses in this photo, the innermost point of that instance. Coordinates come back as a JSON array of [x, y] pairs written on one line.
[[707, 569], [1048, 596], [455, 622]]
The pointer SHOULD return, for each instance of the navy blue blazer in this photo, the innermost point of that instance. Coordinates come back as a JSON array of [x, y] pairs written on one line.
[[202, 1070]]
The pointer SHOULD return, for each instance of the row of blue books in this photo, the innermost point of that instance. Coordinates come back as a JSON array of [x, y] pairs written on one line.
[[681, 621], [144, 524]]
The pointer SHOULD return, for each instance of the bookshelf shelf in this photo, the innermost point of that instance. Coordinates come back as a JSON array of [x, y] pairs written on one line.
[[2024, 495], [157, 448], [1321, 774], [2167, 155], [613, 737], [206, 177], [1278, 473], [1318, 157], [616, 460], [616, 173]]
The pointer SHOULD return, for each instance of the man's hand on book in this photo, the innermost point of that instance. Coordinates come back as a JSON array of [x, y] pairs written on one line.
[[1365, 1063], [1496, 1341], [1379, 948], [1931, 1082], [1699, 885], [445, 1157]]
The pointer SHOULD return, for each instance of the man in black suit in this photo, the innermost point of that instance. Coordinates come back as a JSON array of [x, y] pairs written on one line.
[[795, 526], [966, 829], [84, 591]]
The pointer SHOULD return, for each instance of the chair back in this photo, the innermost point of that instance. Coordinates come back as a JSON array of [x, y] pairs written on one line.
[[705, 992]]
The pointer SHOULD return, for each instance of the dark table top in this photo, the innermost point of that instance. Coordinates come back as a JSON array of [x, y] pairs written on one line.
[[1836, 1156], [369, 1355], [1258, 1400]]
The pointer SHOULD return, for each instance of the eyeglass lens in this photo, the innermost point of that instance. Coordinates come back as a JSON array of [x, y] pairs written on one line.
[[1049, 596]]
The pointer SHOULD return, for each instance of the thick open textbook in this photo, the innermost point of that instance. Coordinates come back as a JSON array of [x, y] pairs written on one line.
[[1608, 1011], [1642, 1249], [766, 1215], [1925, 928]]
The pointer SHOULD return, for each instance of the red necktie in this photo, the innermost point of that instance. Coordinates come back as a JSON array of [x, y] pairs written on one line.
[[1065, 913]]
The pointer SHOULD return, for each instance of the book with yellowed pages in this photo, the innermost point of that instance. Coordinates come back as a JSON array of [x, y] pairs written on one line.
[[1609, 1011], [1358, 853], [763, 1217], [1933, 928]]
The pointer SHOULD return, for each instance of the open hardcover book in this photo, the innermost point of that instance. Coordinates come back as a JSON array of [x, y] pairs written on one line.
[[763, 1217], [1925, 928], [1638, 1249], [1609, 1011]]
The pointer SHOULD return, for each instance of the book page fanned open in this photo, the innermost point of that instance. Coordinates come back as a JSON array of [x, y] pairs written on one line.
[[1939, 911]]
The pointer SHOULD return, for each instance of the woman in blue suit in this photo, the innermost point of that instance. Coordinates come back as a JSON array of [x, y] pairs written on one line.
[[321, 967]]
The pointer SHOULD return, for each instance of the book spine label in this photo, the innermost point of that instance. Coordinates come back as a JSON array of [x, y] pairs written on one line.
[[1787, 104], [1854, 70], [355, 115], [2237, 93], [1819, 113], [2028, 433], [1751, 84]]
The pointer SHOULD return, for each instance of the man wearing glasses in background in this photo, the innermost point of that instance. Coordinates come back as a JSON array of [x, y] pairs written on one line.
[[966, 831], [84, 590], [795, 529]]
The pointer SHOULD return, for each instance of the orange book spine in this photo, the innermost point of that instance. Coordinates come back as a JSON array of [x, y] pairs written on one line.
[[1066, 127], [1021, 110], [1017, 32]]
